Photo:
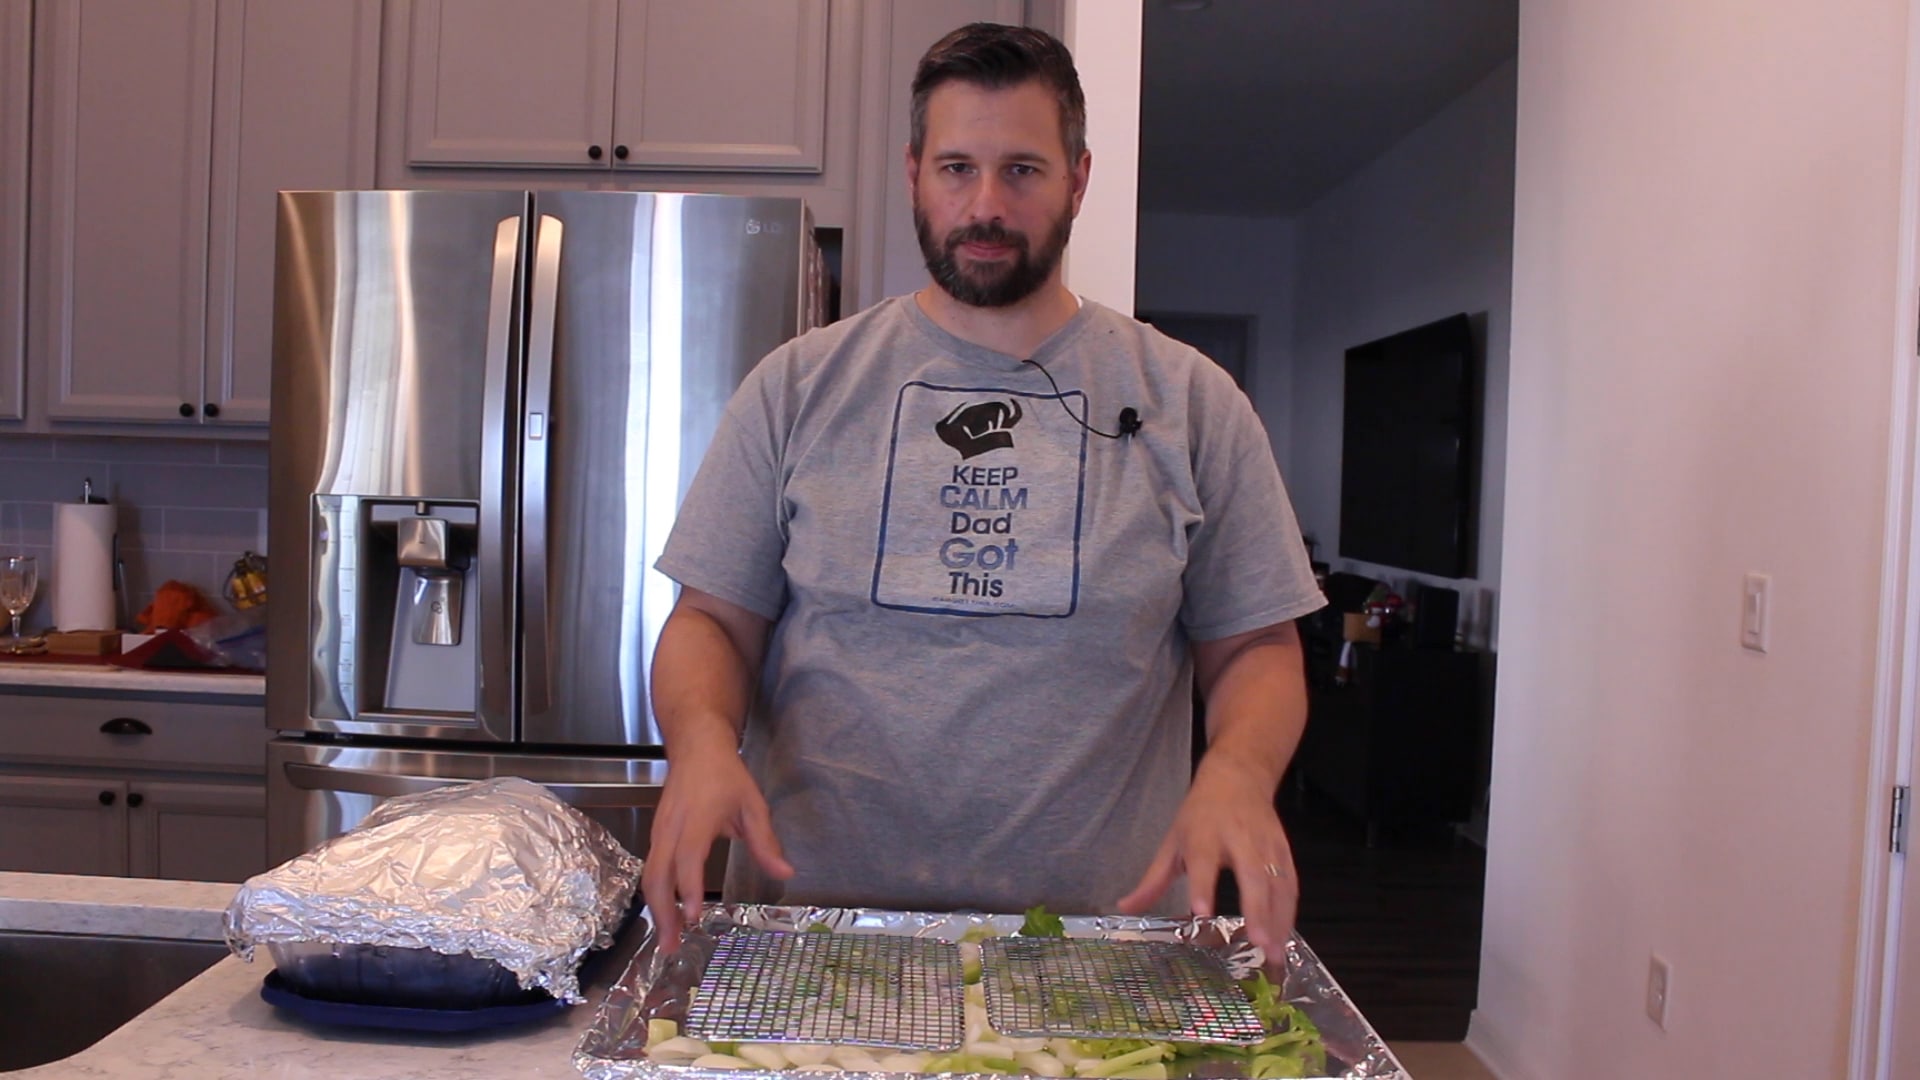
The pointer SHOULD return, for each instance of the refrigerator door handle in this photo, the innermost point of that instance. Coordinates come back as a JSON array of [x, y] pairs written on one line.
[[548, 235], [385, 785], [496, 570]]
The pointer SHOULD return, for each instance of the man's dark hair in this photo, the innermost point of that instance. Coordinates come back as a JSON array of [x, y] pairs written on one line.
[[994, 56]]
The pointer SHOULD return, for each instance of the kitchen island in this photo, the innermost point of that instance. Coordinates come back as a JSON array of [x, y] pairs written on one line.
[[217, 1026]]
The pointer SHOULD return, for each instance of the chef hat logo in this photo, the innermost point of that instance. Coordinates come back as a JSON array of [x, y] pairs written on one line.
[[977, 428]]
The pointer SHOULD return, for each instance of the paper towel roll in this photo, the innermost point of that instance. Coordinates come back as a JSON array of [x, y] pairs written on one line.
[[82, 593]]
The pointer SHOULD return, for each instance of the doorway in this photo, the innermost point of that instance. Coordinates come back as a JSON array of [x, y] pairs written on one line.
[[1327, 176], [1225, 339]]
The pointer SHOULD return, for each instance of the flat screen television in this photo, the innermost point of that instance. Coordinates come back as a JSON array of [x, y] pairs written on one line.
[[1409, 450]]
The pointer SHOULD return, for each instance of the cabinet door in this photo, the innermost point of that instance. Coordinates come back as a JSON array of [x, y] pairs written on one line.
[[16, 52], [722, 84], [295, 94], [57, 825], [511, 82], [126, 116], [196, 832]]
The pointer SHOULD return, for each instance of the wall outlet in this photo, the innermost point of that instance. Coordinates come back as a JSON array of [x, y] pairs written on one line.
[[1658, 985]]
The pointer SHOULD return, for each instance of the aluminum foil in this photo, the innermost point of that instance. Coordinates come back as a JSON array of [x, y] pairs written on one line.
[[500, 869], [657, 986]]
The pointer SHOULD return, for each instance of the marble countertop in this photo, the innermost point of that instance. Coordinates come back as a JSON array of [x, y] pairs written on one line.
[[132, 907], [15, 673], [217, 1026]]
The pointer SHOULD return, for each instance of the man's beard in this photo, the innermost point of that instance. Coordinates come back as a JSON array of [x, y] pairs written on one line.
[[990, 285]]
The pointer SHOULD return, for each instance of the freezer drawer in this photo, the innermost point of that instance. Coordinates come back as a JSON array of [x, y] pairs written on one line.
[[316, 791]]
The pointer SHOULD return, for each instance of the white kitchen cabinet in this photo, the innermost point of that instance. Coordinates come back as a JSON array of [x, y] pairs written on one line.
[[511, 82], [163, 127], [701, 85], [113, 825], [196, 831], [120, 204], [722, 84], [296, 91], [122, 785], [16, 67], [63, 825]]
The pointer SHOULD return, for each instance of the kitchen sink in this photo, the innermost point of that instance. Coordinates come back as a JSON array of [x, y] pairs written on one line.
[[61, 993]]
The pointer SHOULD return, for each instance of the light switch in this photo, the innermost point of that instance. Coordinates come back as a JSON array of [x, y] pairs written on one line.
[[1755, 598]]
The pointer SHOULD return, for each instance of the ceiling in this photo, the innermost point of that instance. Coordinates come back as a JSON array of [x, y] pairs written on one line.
[[1255, 108]]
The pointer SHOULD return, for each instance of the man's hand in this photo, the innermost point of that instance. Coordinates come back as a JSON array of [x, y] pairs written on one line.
[[1227, 821], [709, 794], [1256, 707]]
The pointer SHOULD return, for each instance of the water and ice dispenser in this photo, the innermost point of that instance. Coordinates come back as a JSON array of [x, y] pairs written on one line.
[[395, 625]]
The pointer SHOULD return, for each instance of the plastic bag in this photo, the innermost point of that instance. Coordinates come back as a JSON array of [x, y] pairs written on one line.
[[237, 641]]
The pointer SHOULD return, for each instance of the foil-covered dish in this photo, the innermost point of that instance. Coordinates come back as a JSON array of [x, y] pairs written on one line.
[[457, 898], [651, 1002]]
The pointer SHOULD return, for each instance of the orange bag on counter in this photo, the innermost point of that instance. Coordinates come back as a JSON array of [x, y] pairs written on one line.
[[175, 606]]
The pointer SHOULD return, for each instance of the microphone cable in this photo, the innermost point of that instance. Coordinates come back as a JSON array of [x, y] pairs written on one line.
[[1128, 421]]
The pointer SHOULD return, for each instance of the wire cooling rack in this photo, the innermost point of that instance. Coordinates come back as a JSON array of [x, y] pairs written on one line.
[[864, 989], [1093, 989]]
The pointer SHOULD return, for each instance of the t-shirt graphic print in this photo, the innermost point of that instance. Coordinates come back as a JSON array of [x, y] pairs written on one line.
[[982, 509]]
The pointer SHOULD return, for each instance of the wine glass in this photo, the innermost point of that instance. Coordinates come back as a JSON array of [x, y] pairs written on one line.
[[19, 580]]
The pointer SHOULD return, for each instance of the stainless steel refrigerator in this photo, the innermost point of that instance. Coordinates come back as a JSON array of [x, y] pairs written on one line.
[[486, 407]]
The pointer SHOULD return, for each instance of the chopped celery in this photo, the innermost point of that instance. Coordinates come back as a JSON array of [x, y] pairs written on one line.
[[1042, 923], [1155, 1071], [1114, 1066]]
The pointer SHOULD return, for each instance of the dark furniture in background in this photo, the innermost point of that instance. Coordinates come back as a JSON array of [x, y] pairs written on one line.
[[1398, 746]]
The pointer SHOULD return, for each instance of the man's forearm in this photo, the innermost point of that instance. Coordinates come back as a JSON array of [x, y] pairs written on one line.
[[1256, 703], [702, 684]]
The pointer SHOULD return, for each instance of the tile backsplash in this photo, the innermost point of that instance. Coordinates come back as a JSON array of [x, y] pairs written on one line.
[[187, 508]]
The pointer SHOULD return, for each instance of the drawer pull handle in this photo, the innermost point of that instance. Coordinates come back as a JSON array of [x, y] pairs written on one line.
[[106, 798], [134, 800], [125, 725]]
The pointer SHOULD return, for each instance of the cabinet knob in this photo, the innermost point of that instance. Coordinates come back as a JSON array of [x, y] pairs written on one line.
[[106, 798], [186, 409], [594, 151], [125, 725], [134, 799], [620, 151], [212, 410]]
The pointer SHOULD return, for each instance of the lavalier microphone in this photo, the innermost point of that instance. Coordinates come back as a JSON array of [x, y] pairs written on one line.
[[1128, 422]]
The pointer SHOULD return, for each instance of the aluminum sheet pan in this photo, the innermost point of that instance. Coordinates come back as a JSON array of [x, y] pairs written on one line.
[[656, 986]]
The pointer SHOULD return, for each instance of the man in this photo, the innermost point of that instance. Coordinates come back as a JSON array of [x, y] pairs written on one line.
[[972, 608]]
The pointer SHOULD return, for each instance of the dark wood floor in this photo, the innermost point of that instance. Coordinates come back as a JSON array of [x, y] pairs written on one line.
[[1397, 924]]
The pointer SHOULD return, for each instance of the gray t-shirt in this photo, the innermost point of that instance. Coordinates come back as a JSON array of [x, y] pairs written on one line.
[[978, 691]]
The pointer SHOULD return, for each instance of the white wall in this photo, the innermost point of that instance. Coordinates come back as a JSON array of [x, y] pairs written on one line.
[[1196, 264], [1105, 40], [1703, 346], [1424, 232]]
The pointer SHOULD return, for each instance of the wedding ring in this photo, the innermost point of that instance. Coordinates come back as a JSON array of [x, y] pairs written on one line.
[[1275, 871]]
